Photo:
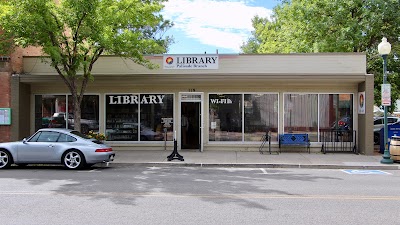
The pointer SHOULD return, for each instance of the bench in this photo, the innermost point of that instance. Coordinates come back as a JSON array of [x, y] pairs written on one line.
[[294, 140]]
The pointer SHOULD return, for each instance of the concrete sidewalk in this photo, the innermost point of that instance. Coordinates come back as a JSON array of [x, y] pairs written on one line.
[[254, 159]]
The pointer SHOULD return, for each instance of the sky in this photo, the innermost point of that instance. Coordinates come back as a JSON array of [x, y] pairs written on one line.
[[211, 26]]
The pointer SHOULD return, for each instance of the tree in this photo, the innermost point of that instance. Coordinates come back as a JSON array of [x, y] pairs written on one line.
[[305, 26], [73, 34]]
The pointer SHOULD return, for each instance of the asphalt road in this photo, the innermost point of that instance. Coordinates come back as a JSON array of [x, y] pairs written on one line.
[[185, 195]]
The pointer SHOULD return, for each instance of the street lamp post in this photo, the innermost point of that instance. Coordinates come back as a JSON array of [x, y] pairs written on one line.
[[384, 49]]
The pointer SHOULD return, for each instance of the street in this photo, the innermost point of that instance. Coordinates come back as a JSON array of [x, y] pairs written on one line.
[[197, 195]]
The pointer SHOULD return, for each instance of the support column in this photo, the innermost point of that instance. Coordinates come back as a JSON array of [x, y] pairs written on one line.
[[365, 133]]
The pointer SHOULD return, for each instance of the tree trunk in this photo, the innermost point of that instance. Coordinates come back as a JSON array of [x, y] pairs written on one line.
[[77, 111]]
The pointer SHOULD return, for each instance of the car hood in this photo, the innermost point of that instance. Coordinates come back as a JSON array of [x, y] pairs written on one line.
[[5, 144]]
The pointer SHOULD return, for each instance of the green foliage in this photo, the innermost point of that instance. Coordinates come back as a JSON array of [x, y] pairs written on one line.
[[74, 33], [333, 26]]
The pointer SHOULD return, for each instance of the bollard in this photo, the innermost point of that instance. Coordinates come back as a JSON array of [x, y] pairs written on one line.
[[175, 154]]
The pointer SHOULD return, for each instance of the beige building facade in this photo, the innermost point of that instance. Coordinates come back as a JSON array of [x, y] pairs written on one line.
[[205, 102]]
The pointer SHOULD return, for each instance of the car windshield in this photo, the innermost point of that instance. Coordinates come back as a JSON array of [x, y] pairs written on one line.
[[79, 134]]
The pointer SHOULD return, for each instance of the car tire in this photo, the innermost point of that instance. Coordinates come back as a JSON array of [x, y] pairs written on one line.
[[376, 139], [5, 159], [73, 160]]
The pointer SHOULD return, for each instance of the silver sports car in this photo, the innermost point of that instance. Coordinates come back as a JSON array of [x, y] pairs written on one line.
[[54, 146]]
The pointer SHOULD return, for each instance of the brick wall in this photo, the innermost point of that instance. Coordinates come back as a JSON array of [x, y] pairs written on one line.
[[19, 53], [5, 103], [14, 65]]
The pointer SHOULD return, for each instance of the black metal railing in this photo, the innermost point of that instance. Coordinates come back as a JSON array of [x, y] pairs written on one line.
[[338, 140]]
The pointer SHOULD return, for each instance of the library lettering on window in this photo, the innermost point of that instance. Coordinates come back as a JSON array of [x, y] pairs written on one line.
[[209, 102]]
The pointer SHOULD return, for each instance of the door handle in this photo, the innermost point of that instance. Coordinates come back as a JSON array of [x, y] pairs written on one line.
[[50, 146]]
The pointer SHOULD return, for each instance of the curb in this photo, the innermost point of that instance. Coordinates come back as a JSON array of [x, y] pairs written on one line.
[[256, 165]]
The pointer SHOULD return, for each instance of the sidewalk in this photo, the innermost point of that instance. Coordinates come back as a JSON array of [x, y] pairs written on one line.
[[254, 159]]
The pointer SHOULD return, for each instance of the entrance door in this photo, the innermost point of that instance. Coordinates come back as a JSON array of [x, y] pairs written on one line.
[[191, 125]]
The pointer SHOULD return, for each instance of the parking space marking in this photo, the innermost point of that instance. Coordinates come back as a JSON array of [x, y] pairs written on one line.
[[367, 172]]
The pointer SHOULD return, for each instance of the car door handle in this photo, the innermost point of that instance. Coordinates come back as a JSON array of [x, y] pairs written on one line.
[[50, 146]]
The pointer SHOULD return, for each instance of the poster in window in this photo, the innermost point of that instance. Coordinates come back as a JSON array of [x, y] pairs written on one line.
[[5, 116], [361, 102]]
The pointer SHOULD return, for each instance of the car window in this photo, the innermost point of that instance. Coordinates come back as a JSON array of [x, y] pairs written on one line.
[[80, 134], [48, 136], [35, 137], [392, 120], [66, 138]]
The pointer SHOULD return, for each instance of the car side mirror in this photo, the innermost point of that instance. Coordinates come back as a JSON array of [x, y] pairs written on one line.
[[24, 140]]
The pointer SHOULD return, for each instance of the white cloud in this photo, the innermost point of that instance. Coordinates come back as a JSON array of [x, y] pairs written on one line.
[[220, 23]]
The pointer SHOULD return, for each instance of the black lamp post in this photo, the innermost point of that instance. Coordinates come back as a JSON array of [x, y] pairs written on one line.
[[384, 49]]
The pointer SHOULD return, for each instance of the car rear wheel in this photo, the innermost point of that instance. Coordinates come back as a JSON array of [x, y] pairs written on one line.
[[5, 159], [73, 159]]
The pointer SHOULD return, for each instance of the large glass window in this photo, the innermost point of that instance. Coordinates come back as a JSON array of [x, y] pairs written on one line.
[[225, 117], [336, 111], [52, 111], [260, 116], [153, 108], [301, 114], [122, 117], [89, 113], [47, 108]]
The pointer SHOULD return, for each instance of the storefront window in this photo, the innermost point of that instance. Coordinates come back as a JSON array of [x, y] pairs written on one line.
[[260, 116], [89, 113], [225, 117], [301, 114], [52, 111], [153, 108], [122, 117], [336, 111]]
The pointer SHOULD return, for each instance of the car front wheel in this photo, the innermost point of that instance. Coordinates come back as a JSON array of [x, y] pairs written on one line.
[[73, 160], [5, 159]]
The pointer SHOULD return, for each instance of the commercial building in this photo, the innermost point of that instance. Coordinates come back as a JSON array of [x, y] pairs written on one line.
[[207, 102]]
